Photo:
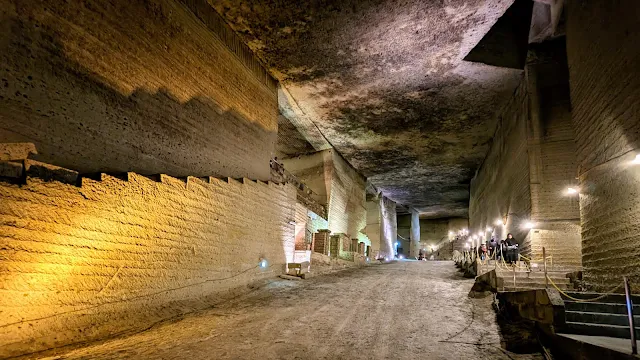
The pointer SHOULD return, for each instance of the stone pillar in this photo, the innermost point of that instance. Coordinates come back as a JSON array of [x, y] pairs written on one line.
[[388, 227], [321, 242], [415, 234]]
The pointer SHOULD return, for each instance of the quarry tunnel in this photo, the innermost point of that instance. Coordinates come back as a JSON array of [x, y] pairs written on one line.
[[356, 179]]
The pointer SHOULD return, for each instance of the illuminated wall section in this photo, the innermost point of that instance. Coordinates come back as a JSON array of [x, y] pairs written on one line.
[[388, 228], [346, 211], [338, 185], [144, 86], [602, 48], [501, 188], [415, 233], [82, 263]]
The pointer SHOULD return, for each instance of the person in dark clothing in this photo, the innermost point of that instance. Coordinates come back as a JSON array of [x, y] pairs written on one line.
[[492, 246], [511, 249]]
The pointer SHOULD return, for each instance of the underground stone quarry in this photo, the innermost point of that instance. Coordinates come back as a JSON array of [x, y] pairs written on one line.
[[376, 179]]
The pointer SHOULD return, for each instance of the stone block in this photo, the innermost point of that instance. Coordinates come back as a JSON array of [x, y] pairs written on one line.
[[16, 151], [48, 172], [11, 169]]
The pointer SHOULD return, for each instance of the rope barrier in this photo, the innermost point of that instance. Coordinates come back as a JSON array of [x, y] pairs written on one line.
[[610, 292]]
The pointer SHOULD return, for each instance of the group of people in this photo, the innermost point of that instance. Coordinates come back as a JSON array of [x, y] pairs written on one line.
[[506, 249]]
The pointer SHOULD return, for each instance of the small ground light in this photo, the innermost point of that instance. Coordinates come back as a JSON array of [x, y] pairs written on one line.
[[263, 263], [400, 256], [572, 191]]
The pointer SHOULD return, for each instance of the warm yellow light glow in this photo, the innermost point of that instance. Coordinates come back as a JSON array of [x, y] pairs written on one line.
[[450, 233], [529, 225], [488, 229], [572, 191], [499, 222], [636, 160]]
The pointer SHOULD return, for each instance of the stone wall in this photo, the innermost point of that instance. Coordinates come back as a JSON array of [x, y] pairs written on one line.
[[500, 188], [312, 171], [602, 48], [151, 86], [346, 210], [403, 243], [432, 231], [338, 185], [531, 164], [552, 156], [113, 256], [447, 243], [373, 230]]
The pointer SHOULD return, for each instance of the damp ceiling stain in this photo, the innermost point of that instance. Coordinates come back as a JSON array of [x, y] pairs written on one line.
[[385, 83]]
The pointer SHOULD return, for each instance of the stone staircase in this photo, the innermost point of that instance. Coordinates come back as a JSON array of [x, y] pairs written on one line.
[[528, 278], [603, 317]]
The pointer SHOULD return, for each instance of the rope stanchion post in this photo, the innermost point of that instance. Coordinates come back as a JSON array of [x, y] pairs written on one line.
[[632, 326]]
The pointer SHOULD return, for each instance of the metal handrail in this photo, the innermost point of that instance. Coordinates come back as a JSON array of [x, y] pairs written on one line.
[[632, 325]]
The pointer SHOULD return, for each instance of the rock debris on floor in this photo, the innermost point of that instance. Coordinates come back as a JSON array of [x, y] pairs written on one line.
[[403, 310]]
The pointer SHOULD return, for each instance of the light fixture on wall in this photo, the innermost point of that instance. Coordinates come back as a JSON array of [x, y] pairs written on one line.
[[450, 233], [263, 264], [498, 222], [489, 229], [636, 160], [480, 234], [529, 225], [572, 191]]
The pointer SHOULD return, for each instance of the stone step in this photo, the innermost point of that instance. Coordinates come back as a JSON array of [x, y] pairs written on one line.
[[524, 275], [519, 280], [522, 287], [599, 318], [600, 307], [617, 331], [610, 298]]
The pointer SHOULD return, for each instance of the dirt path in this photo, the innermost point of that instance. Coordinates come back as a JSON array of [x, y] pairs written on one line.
[[403, 310]]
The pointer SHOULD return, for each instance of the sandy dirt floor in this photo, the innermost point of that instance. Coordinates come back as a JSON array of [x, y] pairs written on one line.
[[403, 310]]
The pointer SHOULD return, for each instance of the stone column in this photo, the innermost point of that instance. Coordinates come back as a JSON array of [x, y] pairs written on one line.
[[415, 234]]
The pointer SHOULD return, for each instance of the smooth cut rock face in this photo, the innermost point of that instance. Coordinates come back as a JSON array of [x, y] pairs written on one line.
[[386, 84]]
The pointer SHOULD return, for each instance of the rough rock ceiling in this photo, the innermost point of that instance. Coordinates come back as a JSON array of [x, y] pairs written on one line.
[[386, 84]]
